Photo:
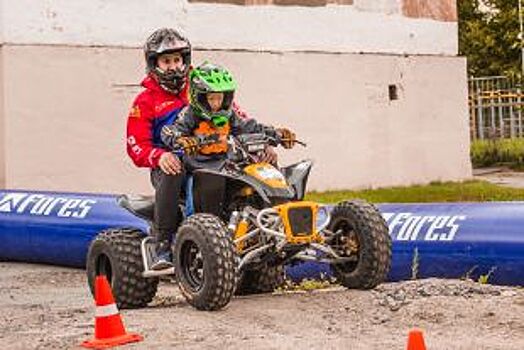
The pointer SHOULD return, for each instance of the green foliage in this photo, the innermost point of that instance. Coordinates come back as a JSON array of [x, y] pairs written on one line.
[[488, 36], [508, 152], [308, 284], [484, 279], [467, 191]]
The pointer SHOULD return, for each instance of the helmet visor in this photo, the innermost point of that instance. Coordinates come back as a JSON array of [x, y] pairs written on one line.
[[171, 44]]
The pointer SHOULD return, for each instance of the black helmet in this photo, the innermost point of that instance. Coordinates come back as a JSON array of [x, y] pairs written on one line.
[[167, 40]]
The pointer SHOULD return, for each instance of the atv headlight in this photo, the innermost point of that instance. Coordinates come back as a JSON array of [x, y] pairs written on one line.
[[299, 219]]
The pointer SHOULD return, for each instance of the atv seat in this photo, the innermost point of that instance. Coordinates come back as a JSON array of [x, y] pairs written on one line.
[[141, 206]]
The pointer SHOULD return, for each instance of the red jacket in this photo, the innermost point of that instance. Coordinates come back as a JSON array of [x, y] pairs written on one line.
[[152, 109]]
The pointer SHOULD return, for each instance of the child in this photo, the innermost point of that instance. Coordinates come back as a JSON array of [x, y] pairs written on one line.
[[210, 114]]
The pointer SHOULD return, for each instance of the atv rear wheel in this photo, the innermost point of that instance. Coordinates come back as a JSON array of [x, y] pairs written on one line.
[[262, 280], [116, 253], [205, 262], [365, 235]]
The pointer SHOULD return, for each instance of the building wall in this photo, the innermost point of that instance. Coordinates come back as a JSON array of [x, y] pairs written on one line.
[[2, 112], [347, 29], [70, 71], [368, 26], [73, 133], [355, 133], [66, 112], [2, 120]]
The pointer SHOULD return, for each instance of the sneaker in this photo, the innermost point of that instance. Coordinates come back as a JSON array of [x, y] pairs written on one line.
[[162, 262]]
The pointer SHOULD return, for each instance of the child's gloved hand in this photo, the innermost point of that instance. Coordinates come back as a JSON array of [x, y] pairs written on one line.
[[189, 144], [287, 137]]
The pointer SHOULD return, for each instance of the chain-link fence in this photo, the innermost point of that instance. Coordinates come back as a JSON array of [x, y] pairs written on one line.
[[496, 107]]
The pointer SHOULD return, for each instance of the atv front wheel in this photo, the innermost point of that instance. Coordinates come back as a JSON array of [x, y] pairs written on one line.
[[205, 262], [360, 231], [265, 279], [116, 253]]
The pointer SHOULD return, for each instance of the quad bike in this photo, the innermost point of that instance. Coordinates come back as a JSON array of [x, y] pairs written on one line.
[[241, 244]]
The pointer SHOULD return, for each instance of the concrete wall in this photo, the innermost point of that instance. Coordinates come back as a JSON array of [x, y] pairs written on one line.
[[339, 104], [2, 120], [331, 28], [67, 116], [2, 112], [371, 26], [69, 69]]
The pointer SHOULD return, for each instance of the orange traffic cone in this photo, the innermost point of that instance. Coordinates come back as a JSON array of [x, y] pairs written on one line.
[[416, 340], [109, 329]]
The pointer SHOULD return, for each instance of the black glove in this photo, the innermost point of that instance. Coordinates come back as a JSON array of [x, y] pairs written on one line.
[[189, 144], [287, 137]]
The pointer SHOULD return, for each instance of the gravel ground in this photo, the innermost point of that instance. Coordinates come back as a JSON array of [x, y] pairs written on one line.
[[47, 307], [500, 176]]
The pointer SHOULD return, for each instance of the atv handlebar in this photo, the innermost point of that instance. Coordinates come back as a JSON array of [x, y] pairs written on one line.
[[301, 143], [249, 147], [262, 138], [249, 143]]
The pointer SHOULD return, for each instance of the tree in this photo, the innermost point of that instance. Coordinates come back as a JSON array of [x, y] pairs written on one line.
[[488, 36]]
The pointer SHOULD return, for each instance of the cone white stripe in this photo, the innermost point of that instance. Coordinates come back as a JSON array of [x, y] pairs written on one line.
[[106, 310]]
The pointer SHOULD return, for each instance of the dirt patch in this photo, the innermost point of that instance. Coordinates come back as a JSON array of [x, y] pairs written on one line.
[[500, 176], [45, 307]]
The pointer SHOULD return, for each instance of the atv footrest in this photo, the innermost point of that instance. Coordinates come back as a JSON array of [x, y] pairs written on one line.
[[148, 252], [155, 273]]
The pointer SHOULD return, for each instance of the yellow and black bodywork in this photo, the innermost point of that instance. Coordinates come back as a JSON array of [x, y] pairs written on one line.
[[299, 219], [277, 186], [280, 189], [299, 224], [262, 183], [267, 174], [240, 231], [273, 186]]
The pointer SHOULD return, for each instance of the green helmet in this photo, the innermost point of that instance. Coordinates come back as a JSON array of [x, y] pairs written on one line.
[[207, 78]]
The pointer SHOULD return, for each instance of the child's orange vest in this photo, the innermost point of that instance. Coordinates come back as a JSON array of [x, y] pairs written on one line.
[[205, 128]]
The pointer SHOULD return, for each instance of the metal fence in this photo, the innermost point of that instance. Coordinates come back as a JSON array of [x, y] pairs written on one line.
[[496, 107]]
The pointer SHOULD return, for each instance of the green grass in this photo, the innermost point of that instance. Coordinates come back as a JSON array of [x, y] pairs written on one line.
[[307, 285], [508, 152], [468, 191]]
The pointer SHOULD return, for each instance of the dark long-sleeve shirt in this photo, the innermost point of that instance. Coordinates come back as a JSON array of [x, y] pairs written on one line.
[[188, 124]]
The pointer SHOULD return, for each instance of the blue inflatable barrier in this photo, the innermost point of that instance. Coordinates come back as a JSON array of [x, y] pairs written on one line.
[[449, 240], [56, 228]]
